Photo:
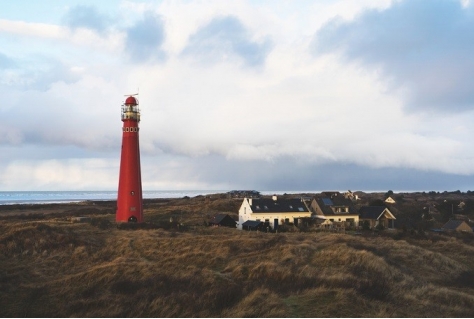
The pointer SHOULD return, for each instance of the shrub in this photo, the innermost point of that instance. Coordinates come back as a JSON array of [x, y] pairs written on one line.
[[366, 225]]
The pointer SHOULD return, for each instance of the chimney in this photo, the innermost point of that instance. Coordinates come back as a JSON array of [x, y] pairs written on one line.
[[274, 197]]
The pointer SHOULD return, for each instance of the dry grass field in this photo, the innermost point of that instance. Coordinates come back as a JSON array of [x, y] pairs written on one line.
[[50, 267]]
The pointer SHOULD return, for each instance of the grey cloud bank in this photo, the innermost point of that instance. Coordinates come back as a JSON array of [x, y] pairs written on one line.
[[423, 49]]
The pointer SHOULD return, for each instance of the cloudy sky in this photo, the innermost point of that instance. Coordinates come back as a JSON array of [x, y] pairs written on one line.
[[265, 95]]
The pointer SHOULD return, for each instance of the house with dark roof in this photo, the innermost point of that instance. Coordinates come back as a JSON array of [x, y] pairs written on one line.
[[375, 216], [222, 220], [272, 212], [334, 209], [456, 225]]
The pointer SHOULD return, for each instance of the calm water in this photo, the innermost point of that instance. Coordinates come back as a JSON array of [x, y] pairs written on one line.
[[35, 197], [77, 196]]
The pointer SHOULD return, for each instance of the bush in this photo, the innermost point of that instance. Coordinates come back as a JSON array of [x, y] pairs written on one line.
[[366, 225], [101, 223]]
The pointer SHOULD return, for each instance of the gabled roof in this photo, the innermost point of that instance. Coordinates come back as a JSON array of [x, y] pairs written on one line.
[[337, 200], [453, 224], [268, 205], [390, 200], [373, 212], [217, 219]]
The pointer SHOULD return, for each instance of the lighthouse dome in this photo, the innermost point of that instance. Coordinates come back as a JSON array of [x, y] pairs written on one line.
[[131, 101]]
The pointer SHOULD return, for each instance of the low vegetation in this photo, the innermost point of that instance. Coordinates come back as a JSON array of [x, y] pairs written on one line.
[[174, 266]]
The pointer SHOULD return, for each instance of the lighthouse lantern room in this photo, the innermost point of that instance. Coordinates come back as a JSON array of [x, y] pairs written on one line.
[[129, 197]]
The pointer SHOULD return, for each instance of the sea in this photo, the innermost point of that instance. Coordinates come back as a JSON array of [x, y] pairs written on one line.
[[48, 197]]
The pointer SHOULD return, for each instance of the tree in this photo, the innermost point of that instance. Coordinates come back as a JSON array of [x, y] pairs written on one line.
[[388, 194]]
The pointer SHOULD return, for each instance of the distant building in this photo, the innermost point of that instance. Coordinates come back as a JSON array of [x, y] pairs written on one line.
[[390, 200], [456, 225], [272, 212], [376, 215], [243, 194], [222, 220], [350, 195]]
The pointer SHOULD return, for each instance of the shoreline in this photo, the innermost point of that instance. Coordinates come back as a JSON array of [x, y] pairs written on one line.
[[175, 195]]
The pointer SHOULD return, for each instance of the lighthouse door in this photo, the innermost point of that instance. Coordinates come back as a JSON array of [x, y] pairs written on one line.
[[132, 219]]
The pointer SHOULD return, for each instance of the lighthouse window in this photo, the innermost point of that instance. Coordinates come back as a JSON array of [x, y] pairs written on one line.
[[132, 193], [126, 129]]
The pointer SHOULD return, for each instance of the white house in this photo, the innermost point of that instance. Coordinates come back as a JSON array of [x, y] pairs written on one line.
[[272, 211]]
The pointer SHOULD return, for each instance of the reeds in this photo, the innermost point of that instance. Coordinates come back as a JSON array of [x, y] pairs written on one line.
[[53, 268]]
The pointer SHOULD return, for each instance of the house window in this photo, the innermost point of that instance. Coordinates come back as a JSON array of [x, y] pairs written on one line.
[[287, 220]]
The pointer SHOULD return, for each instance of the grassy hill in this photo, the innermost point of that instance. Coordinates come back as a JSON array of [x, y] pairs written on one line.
[[50, 267]]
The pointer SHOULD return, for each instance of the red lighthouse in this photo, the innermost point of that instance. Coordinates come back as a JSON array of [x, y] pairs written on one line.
[[129, 199]]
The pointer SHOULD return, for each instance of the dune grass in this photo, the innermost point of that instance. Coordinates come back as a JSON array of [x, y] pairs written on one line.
[[51, 267]]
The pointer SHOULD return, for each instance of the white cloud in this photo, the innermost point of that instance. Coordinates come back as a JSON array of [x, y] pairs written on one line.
[[214, 125], [71, 174]]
